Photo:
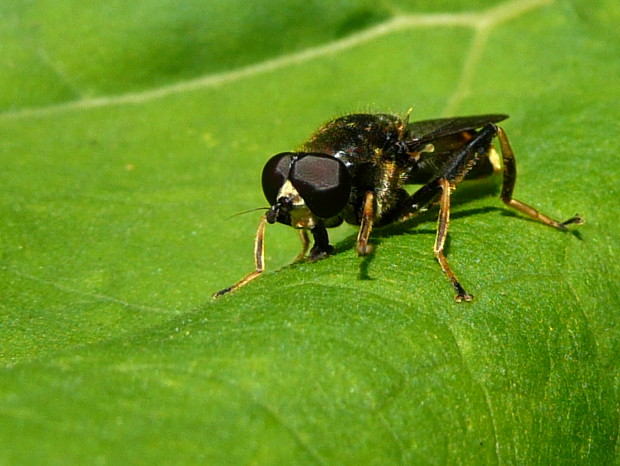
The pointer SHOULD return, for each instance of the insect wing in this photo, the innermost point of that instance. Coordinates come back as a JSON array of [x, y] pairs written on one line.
[[447, 135], [426, 131]]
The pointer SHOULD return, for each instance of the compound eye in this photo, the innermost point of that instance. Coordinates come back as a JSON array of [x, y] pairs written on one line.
[[323, 182], [275, 173]]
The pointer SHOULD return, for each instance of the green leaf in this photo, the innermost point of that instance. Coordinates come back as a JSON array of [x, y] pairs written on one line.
[[130, 133]]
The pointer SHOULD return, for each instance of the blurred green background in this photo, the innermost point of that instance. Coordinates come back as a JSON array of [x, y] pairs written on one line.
[[130, 133]]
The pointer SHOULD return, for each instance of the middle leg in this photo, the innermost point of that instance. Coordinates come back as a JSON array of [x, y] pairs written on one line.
[[368, 214], [442, 232]]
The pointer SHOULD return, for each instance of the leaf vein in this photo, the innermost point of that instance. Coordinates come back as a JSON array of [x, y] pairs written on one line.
[[96, 296], [479, 21], [483, 27]]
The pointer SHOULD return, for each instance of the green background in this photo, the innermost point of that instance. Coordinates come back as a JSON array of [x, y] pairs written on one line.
[[130, 133]]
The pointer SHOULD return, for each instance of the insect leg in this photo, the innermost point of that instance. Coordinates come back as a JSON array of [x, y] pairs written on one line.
[[305, 244], [455, 169], [368, 213], [259, 260], [510, 177], [458, 165], [321, 248], [442, 232]]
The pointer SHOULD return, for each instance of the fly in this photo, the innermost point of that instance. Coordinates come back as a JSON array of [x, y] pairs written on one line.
[[354, 168]]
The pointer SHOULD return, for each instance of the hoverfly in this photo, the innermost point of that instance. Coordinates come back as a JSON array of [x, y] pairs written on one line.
[[354, 169]]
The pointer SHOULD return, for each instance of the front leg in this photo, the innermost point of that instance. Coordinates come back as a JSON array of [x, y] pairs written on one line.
[[321, 248], [259, 260], [305, 244]]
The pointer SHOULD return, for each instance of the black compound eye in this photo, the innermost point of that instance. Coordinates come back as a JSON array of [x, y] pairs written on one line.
[[275, 174], [323, 182]]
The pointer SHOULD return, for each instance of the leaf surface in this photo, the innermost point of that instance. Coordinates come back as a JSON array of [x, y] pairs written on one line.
[[131, 133]]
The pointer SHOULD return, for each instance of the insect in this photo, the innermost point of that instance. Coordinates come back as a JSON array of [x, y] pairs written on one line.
[[354, 169]]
